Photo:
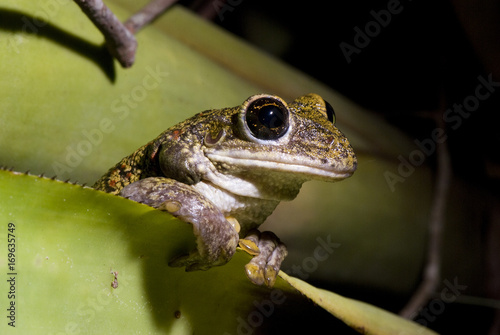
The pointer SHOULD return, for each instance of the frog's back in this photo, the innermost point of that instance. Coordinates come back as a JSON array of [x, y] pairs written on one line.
[[143, 163], [140, 164]]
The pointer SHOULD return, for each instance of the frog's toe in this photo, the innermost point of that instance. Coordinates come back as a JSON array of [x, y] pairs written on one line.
[[209, 253], [191, 262], [250, 242], [181, 261], [264, 268]]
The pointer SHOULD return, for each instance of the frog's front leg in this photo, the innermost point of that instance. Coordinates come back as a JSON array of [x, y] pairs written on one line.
[[216, 238], [269, 252]]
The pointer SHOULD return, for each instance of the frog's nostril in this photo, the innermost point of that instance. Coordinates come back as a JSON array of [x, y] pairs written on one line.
[[331, 140]]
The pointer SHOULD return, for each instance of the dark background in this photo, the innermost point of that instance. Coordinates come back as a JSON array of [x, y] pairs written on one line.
[[427, 58]]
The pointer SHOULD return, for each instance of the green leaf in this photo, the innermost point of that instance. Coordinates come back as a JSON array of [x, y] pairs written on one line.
[[363, 317], [70, 241], [69, 110]]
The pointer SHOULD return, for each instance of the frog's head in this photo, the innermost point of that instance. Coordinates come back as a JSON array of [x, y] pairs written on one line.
[[264, 148], [269, 148]]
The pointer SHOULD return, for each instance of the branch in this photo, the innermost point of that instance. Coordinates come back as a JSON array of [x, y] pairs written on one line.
[[120, 42], [119, 37], [431, 276], [148, 14]]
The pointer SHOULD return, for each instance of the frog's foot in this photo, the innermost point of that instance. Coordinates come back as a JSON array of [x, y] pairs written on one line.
[[216, 238], [269, 253]]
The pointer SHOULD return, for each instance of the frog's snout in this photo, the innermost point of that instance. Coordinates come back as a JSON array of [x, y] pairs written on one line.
[[345, 158]]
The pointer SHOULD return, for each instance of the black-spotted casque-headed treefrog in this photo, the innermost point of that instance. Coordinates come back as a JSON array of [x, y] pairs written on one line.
[[225, 171]]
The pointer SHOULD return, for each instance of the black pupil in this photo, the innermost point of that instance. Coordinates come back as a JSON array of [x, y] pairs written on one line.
[[267, 119], [271, 116]]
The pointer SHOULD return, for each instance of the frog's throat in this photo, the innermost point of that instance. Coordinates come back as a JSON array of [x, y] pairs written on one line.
[[256, 186]]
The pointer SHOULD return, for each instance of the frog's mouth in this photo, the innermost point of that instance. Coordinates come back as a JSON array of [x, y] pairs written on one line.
[[301, 168]]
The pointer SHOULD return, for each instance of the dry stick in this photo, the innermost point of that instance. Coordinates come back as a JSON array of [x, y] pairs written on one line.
[[121, 43], [119, 37], [431, 274], [147, 14]]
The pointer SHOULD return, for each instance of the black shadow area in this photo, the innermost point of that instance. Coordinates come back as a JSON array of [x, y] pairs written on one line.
[[19, 22]]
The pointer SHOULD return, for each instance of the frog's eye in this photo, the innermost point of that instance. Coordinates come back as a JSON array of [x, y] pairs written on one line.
[[330, 113], [267, 118]]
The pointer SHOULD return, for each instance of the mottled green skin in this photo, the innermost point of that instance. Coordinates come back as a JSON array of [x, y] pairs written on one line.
[[212, 166], [140, 164]]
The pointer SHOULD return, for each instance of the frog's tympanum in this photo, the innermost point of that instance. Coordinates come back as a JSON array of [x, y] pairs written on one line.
[[225, 171]]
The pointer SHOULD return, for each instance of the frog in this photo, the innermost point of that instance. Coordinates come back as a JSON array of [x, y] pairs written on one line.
[[224, 171]]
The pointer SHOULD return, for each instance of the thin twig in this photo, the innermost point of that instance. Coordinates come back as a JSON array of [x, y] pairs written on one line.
[[119, 37], [431, 276], [121, 43], [147, 14]]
